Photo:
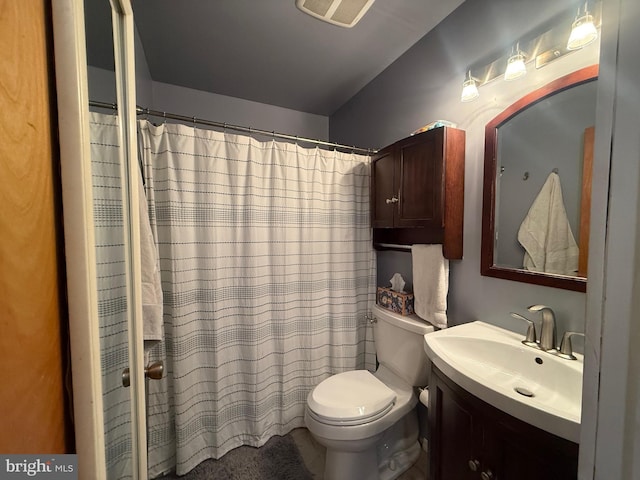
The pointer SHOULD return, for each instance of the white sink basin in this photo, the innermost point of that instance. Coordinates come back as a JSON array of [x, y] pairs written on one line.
[[492, 364]]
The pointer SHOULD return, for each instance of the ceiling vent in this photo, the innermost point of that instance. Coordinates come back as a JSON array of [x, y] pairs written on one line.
[[344, 13]]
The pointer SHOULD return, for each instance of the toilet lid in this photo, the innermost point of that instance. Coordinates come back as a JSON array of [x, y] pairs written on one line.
[[350, 396]]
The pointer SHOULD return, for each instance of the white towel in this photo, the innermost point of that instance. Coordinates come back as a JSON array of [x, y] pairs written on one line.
[[150, 272], [430, 283], [546, 234]]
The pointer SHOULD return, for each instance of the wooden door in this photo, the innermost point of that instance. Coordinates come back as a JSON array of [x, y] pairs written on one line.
[[384, 189], [585, 202], [32, 393], [421, 180]]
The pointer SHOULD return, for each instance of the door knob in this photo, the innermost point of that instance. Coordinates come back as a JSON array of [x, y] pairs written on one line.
[[126, 377], [153, 371], [474, 465]]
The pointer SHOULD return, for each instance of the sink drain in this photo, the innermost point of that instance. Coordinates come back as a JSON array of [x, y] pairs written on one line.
[[524, 391]]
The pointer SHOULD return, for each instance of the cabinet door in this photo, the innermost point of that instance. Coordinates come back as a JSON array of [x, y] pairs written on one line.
[[524, 455], [455, 435], [421, 180], [384, 190]]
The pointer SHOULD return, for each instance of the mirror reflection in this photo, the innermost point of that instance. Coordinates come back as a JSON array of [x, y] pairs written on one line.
[[537, 185], [540, 156]]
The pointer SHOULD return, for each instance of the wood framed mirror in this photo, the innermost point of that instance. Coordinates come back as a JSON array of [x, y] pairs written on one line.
[[542, 141]]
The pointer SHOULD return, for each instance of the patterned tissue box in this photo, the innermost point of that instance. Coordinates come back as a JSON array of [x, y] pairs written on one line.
[[398, 302]]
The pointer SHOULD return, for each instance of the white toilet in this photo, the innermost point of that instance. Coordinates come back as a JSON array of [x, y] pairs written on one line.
[[368, 422]]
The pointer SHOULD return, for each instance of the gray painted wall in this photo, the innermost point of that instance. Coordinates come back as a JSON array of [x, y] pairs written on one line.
[[144, 89], [425, 85], [102, 84], [209, 106], [235, 111]]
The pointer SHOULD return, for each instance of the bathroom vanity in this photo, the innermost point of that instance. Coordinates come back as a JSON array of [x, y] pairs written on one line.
[[470, 439], [417, 191], [501, 408]]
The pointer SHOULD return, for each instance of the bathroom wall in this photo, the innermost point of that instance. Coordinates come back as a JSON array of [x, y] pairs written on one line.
[[235, 111], [424, 85], [219, 108]]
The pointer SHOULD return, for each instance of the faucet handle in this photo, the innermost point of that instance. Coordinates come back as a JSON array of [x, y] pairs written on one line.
[[538, 308], [530, 339], [566, 349]]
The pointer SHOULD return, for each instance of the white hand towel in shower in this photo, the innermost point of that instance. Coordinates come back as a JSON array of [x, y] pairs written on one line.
[[150, 273], [546, 234], [430, 283]]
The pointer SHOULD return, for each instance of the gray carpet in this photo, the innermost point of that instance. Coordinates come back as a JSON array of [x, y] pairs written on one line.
[[278, 459]]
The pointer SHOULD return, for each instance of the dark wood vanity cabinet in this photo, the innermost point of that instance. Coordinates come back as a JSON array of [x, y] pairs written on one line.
[[470, 439], [417, 191]]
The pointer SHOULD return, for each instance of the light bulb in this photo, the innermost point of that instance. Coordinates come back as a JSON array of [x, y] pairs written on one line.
[[515, 66], [469, 89], [583, 32]]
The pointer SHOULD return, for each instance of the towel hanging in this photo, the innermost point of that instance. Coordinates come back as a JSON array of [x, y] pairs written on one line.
[[546, 235]]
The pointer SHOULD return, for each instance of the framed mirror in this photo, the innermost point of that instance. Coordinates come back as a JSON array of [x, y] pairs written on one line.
[[537, 185]]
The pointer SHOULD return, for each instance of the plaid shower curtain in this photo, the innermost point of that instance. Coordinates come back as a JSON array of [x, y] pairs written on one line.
[[267, 273], [112, 291]]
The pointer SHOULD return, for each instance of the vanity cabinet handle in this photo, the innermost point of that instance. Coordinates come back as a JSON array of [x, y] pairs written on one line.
[[488, 475], [474, 465], [391, 200]]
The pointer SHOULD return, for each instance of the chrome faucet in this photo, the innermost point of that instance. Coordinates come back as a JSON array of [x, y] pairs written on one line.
[[548, 329]]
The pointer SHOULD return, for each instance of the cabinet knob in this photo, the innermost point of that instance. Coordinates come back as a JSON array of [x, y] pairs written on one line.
[[474, 465], [391, 200], [488, 475]]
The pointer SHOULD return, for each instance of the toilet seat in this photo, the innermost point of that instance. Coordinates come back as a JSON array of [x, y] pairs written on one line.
[[350, 398]]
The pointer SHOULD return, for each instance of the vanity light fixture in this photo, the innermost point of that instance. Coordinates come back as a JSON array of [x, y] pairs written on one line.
[[583, 30], [515, 65], [469, 89]]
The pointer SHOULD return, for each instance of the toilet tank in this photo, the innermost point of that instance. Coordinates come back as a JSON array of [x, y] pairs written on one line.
[[399, 341]]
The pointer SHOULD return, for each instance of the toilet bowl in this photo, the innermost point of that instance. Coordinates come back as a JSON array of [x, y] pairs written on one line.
[[368, 421]]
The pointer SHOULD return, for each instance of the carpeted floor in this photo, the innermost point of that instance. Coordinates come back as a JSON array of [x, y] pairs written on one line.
[[278, 459]]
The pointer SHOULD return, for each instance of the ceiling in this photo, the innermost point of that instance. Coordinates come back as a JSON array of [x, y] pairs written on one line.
[[267, 51]]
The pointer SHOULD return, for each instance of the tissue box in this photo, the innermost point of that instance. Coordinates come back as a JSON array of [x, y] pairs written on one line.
[[398, 302]]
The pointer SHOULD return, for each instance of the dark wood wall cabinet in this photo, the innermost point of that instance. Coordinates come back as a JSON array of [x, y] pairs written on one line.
[[417, 191], [470, 439]]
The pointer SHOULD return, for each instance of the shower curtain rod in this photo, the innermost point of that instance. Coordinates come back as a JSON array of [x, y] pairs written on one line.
[[210, 123]]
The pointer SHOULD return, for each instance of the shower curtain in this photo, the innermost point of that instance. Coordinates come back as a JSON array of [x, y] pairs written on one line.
[[267, 273], [112, 291]]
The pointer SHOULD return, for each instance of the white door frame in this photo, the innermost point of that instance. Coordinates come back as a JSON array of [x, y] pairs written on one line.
[[75, 159]]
